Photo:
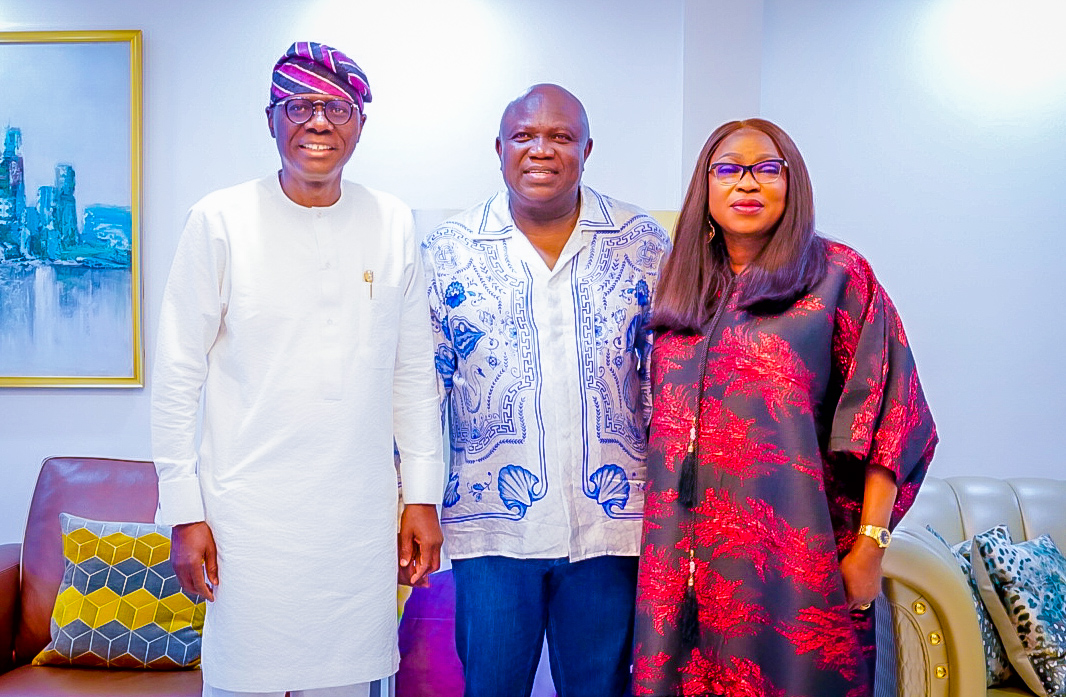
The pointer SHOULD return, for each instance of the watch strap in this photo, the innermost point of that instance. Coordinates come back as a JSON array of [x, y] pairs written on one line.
[[880, 535]]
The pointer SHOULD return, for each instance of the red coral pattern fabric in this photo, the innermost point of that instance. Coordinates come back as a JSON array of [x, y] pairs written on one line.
[[795, 406]]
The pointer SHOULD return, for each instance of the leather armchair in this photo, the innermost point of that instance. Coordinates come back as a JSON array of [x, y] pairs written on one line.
[[939, 652], [101, 489]]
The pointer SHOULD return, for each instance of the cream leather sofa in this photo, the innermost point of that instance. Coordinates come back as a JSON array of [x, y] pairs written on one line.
[[938, 642]]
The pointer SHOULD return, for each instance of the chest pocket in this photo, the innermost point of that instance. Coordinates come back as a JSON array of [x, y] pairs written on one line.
[[379, 325]]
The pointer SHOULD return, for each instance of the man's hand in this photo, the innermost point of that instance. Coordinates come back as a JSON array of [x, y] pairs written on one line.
[[420, 541], [192, 553]]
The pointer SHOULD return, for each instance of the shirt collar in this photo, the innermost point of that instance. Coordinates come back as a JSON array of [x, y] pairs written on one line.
[[497, 223]]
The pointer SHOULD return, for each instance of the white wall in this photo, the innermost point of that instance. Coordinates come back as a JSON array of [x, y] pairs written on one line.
[[935, 133], [951, 185], [441, 74]]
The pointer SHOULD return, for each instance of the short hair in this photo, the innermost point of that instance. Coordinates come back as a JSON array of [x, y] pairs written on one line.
[[697, 273]]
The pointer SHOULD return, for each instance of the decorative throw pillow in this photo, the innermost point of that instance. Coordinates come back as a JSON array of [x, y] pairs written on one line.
[[997, 666], [120, 605], [1024, 588]]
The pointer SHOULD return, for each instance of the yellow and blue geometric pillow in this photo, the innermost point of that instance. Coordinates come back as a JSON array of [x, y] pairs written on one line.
[[120, 604]]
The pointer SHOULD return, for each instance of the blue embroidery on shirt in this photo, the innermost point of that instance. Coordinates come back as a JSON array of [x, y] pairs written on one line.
[[446, 363], [465, 337], [496, 381], [642, 293], [454, 295], [451, 491], [477, 489], [518, 488], [610, 488], [472, 387]]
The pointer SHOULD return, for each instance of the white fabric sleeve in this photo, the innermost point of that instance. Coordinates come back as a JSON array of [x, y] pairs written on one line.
[[189, 323], [438, 315], [416, 411]]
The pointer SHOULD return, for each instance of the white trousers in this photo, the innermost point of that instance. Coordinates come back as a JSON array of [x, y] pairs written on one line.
[[359, 690]]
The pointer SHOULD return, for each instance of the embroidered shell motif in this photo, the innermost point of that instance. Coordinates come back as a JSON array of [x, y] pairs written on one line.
[[610, 488], [517, 488], [451, 492]]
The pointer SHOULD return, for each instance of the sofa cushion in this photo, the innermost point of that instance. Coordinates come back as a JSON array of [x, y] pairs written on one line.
[[997, 666], [94, 488], [1024, 587], [120, 604]]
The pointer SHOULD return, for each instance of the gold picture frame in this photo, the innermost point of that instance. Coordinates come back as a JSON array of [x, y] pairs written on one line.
[[70, 209]]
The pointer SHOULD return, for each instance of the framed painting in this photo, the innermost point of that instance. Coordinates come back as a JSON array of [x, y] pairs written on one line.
[[70, 184]]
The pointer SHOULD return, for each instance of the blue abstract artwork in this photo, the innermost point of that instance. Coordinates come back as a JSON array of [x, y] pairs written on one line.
[[69, 295]]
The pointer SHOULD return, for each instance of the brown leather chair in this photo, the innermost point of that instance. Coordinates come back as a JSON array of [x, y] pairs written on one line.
[[117, 490]]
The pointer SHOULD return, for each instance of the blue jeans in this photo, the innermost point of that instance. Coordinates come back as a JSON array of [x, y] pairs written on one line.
[[504, 606]]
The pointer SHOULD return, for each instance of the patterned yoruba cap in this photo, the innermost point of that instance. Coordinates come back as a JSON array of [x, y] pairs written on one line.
[[312, 67]]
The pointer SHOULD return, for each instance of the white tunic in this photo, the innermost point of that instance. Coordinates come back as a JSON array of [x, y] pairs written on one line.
[[308, 369]]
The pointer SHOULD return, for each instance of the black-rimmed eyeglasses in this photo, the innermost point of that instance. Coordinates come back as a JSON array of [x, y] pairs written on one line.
[[300, 110], [765, 172]]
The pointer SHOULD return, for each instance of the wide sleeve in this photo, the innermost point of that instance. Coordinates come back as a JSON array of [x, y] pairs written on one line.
[[190, 319], [416, 421], [881, 417]]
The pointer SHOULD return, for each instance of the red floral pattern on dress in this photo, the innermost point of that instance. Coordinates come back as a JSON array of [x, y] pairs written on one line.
[[795, 407], [897, 321], [671, 423], [732, 444], [865, 419], [756, 533], [860, 282], [811, 468], [830, 635], [672, 355], [806, 305], [901, 419], [648, 669], [725, 607], [661, 584], [845, 342], [659, 504], [765, 366], [740, 678]]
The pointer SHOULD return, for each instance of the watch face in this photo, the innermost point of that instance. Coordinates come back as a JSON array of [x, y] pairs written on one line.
[[883, 537]]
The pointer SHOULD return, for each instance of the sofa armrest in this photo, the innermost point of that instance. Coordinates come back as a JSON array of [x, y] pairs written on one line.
[[938, 640], [9, 602]]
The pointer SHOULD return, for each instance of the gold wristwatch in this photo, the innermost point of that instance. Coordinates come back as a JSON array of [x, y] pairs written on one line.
[[880, 535]]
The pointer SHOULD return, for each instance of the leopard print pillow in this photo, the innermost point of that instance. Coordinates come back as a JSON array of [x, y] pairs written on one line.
[[1024, 587]]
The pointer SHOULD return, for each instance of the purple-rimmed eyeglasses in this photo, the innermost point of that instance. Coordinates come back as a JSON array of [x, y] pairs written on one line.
[[764, 172]]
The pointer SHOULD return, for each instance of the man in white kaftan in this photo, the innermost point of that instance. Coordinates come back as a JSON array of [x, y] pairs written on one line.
[[296, 306]]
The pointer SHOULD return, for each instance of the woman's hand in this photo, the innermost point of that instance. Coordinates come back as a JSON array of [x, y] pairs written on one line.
[[861, 566], [861, 571]]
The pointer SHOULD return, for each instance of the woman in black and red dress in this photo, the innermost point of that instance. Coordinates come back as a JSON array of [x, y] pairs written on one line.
[[789, 434]]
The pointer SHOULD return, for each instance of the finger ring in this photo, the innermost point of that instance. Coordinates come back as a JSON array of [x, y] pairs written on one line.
[[865, 607]]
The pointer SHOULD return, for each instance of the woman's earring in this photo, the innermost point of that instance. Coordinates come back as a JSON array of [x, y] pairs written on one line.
[[710, 223]]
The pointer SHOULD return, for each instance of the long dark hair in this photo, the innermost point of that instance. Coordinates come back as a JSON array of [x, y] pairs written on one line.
[[696, 273]]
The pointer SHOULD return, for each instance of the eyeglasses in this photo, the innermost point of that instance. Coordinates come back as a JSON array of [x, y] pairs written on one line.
[[765, 172], [299, 110]]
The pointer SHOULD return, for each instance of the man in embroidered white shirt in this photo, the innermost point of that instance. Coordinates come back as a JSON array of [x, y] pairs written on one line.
[[539, 297], [296, 306]]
